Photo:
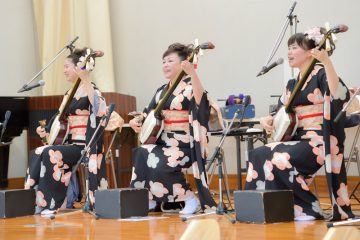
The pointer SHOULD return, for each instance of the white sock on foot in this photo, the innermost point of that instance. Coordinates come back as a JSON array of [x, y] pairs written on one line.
[[48, 212], [38, 209], [152, 204], [191, 206], [304, 218]]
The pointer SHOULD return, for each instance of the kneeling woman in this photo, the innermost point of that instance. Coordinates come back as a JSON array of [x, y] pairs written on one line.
[[182, 144], [317, 141], [50, 167]]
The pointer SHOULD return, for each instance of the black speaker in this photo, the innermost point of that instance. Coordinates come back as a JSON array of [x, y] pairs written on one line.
[[122, 202], [265, 206], [17, 203]]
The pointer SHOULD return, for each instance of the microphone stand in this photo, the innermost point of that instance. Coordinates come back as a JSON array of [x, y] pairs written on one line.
[[345, 222], [109, 156], [342, 113], [88, 206], [221, 208], [70, 46], [3, 128], [290, 19]]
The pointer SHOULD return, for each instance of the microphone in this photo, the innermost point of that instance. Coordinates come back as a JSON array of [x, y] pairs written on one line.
[[292, 9], [207, 45], [271, 66], [246, 101], [110, 110], [71, 44], [4, 124], [339, 28], [27, 88]]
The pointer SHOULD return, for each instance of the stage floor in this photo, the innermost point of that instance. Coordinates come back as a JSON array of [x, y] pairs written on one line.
[[76, 224]]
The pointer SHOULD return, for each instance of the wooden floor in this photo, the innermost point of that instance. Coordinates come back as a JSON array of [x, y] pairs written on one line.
[[80, 225], [84, 226]]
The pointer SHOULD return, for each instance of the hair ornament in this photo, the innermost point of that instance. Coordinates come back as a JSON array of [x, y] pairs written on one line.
[[87, 62], [314, 34]]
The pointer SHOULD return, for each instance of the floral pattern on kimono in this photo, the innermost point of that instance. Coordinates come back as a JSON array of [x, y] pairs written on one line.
[[159, 167], [50, 166], [292, 165]]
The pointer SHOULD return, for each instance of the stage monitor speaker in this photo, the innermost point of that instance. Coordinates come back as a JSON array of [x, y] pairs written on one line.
[[17, 203], [264, 206], [122, 202]]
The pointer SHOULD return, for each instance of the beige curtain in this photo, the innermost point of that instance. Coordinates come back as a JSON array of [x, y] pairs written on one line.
[[60, 21]]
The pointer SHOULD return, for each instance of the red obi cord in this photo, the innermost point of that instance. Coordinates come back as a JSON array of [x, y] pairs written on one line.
[[78, 126], [169, 121], [310, 116]]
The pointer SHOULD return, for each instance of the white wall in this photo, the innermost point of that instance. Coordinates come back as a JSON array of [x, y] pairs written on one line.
[[18, 47], [18, 64], [243, 31]]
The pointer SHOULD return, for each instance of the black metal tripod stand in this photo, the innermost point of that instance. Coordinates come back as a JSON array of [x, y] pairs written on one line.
[[217, 155], [221, 208], [109, 156], [221, 160], [88, 206]]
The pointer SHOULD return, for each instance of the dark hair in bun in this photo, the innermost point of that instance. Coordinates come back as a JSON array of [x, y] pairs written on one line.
[[307, 43], [182, 50], [77, 54]]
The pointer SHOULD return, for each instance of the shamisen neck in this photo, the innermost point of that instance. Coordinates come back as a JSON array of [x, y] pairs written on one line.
[[171, 82]]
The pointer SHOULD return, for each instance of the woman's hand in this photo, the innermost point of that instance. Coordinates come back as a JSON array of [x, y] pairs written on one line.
[[135, 125], [331, 75], [353, 90], [82, 74], [41, 131], [320, 55], [267, 124], [188, 68], [198, 89]]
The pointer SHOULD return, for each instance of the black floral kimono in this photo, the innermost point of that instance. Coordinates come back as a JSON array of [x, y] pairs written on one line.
[[318, 141], [181, 145], [50, 167]]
